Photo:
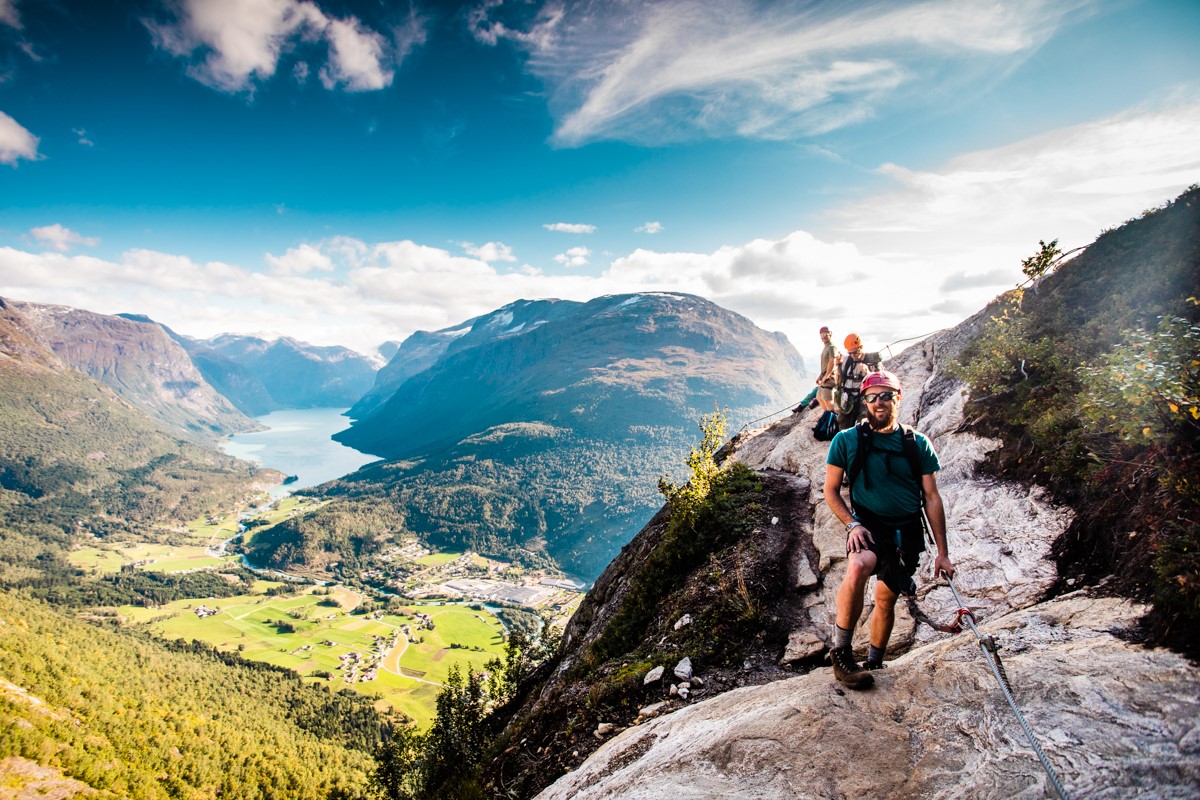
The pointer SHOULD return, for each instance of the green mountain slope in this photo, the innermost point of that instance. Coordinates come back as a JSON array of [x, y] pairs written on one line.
[[646, 359], [132, 720], [78, 459]]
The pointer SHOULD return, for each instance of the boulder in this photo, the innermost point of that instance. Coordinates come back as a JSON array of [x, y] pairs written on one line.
[[653, 675]]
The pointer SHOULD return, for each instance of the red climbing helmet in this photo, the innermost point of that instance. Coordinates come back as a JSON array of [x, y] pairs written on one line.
[[881, 380]]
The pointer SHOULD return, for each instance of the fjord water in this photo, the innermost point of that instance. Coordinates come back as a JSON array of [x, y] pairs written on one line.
[[297, 442]]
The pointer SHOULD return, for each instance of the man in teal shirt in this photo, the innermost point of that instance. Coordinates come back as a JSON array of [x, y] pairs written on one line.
[[885, 531]]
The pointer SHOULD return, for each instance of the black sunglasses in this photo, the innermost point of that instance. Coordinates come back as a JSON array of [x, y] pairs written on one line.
[[878, 397]]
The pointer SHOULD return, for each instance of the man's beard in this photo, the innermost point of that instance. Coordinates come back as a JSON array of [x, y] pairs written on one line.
[[886, 422]]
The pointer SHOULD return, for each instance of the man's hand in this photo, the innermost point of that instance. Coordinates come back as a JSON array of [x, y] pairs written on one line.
[[942, 564], [859, 539]]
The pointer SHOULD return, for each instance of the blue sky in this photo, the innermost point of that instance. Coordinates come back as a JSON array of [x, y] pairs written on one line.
[[348, 172]]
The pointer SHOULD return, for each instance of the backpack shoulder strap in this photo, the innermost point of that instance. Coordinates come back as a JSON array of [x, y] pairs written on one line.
[[908, 440], [863, 432]]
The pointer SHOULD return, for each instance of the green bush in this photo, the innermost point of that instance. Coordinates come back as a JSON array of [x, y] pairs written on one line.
[[1092, 379]]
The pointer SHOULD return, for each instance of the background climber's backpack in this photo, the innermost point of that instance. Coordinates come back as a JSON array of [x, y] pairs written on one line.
[[826, 427]]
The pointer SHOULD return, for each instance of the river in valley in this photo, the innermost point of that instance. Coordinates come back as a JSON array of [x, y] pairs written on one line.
[[297, 442]]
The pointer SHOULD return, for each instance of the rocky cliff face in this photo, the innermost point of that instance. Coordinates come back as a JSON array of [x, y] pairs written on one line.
[[140, 362], [1114, 718]]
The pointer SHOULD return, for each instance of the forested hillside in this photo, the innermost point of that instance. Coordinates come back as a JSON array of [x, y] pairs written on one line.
[[76, 459], [133, 720]]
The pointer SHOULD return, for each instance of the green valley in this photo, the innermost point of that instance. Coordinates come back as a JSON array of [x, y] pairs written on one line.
[[400, 657]]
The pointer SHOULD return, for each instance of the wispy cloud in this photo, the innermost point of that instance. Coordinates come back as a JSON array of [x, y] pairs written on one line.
[[234, 45], [676, 69], [60, 238], [537, 33], [16, 142], [990, 207], [84, 139], [569, 227], [9, 15], [649, 227]]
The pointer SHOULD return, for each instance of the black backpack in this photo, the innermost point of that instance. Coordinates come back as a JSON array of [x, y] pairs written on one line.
[[826, 427], [908, 441]]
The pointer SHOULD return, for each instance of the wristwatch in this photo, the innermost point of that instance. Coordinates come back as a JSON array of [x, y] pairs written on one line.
[[852, 524]]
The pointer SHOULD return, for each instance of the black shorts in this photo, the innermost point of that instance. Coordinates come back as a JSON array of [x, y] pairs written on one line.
[[898, 544]]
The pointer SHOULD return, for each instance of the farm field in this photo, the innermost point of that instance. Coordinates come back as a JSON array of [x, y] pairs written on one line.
[[317, 636], [438, 559], [110, 558]]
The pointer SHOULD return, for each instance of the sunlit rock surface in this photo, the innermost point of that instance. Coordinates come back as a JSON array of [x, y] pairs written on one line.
[[1115, 720]]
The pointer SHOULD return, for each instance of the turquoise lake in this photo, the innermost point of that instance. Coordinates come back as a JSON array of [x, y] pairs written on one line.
[[297, 443]]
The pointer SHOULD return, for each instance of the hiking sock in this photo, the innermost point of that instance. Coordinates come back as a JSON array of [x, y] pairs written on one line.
[[875, 654], [841, 637]]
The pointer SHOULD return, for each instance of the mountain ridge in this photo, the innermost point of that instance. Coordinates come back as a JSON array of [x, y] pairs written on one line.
[[669, 336], [140, 362], [260, 375]]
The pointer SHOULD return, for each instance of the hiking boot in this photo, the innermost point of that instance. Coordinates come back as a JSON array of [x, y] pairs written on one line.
[[872, 664], [847, 670]]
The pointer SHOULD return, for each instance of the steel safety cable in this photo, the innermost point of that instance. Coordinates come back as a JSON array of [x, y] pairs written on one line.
[[990, 649]]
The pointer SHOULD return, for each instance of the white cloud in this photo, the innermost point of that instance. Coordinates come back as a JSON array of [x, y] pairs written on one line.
[[650, 227], [569, 227], [356, 57], [667, 70], [300, 261], [575, 257], [899, 263], [9, 15], [232, 45], [84, 139], [60, 238], [988, 209], [16, 142], [489, 252]]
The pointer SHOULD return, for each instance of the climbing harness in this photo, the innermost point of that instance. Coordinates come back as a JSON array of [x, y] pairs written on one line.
[[991, 651]]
